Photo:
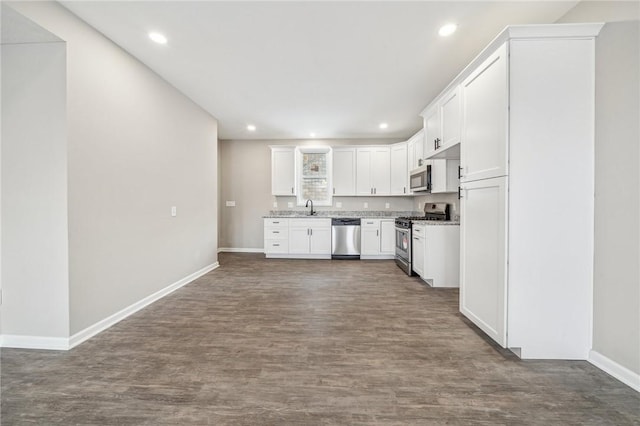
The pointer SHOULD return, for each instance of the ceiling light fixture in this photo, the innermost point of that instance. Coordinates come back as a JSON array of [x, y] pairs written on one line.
[[158, 38], [251, 127], [447, 30], [383, 125], [312, 135]]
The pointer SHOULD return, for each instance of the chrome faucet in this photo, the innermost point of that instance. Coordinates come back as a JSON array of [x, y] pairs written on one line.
[[311, 213]]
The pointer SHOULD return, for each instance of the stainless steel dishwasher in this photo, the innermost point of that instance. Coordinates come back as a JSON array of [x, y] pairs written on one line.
[[345, 238]]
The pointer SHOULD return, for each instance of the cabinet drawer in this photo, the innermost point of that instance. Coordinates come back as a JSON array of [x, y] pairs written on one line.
[[370, 223], [311, 223], [276, 223], [276, 246], [276, 233]]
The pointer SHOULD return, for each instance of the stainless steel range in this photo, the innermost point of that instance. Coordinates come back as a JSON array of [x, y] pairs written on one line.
[[432, 211]]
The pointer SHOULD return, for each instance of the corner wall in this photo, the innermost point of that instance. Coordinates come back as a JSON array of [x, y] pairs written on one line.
[[136, 147], [616, 293], [35, 271]]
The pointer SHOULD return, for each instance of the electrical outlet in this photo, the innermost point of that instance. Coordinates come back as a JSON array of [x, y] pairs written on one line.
[[386, 205], [174, 211], [365, 205], [275, 204], [231, 203], [338, 204], [290, 205]]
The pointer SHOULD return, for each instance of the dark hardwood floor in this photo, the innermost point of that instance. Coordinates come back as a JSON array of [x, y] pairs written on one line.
[[303, 342]]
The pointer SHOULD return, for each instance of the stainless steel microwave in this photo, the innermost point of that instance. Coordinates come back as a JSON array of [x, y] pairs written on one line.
[[420, 179]]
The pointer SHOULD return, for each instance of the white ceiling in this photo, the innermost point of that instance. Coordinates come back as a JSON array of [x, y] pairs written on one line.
[[290, 68]]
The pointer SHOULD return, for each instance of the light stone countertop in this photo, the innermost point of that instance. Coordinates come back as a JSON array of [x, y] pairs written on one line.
[[436, 222], [328, 214]]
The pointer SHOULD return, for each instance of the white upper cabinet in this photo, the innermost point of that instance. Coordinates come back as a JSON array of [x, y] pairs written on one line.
[[450, 115], [399, 172], [283, 170], [344, 171], [485, 106], [415, 150], [442, 124], [431, 130], [373, 170]]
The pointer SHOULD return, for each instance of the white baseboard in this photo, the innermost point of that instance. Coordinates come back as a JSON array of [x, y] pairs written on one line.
[[35, 342], [62, 343], [616, 370], [102, 325], [240, 250]]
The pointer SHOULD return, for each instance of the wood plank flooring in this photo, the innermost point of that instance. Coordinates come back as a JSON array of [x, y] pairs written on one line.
[[295, 342]]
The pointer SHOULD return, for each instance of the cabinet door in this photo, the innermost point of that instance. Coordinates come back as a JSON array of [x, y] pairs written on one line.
[[387, 237], [381, 170], [298, 239], [364, 185], [344, 171], [485, 103], [370, 237], [411, 155], [417, 253], [432, 130], [442, 255], [450, 113], [283, 171], [320, 241], [399, 173], [483, 236]]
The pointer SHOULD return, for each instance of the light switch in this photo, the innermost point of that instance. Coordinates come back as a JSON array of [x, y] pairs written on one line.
[[174, 211], [386, 205], [275, 204], [365, 205], [231, 203], [338, 204], [290, 205]]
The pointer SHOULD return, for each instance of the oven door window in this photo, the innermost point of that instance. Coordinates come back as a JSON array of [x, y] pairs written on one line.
[[402, 240]]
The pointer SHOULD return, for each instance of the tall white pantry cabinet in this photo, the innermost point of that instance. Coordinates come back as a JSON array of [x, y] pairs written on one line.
[[527, 190]]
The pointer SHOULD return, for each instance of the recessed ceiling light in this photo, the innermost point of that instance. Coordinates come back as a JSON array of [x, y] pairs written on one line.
[[251, 127], [312, 135], [158, 38], [447, 30], [383, 125]]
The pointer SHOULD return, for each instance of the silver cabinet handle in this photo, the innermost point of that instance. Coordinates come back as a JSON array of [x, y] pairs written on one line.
[[276, 232], [276, 245], [311, 231], [377, 232], [276, 222]]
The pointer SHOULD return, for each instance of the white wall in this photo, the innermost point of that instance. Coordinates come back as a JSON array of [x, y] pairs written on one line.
[[136, 147], [35, 272], [616, 310]]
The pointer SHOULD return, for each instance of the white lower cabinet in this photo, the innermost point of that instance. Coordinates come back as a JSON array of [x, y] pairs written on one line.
[[435, 254], [417, 249], [276, 236], [377, 239], [441, 255], [310, 238], [297, 238]]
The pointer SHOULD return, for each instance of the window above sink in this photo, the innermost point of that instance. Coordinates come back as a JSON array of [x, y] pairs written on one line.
[[314, 175]]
